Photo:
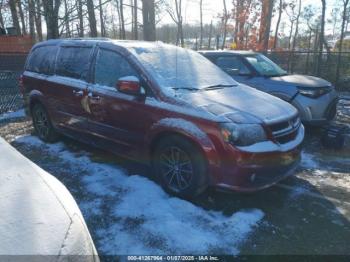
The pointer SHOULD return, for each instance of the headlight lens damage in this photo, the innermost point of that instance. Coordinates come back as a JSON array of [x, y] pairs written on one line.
[[243, 134]]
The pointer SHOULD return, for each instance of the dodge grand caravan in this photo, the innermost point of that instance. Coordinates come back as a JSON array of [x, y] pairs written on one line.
[[166, 106]]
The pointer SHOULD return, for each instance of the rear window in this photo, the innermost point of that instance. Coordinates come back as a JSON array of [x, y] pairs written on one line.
[[42, 60], [74, 62]]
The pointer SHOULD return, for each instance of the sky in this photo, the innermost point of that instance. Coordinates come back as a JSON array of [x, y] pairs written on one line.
[[211, 9]]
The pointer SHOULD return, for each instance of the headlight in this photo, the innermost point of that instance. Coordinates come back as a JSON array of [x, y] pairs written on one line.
[[314, 92], [243, 134]]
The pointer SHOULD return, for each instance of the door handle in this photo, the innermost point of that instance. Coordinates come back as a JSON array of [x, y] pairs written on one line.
[[78, 93], [93, 97]]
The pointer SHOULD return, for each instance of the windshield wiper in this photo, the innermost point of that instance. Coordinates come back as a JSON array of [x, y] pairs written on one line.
[[186, 88], [220, 86]]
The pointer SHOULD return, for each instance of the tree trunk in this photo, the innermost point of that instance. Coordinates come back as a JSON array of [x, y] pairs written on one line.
[[119, 20], [342, 32], [1, 19], [321, 40], [23, 22], [51, 8], [290, 36], [296, 27], [180, 34], [92, 18], [81, 19], [201, 23], [136, 31], [149, 24], [123, 36], [210, 34], [265, 24], [15, 21], [103, 30], [278, 24], [2, 25], [37, 18], [66, 19], [225, 25], [31, 9]]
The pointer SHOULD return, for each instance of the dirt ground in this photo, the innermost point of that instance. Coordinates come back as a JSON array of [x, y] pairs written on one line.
[[306, 214]]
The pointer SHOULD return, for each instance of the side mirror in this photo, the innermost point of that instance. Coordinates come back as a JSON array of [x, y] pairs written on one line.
[[129, 85]]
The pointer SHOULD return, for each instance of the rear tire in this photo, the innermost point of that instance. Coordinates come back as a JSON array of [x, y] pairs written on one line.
[[42, 124], [180, 167]]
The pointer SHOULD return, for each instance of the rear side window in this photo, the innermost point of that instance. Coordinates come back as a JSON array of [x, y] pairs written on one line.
[[74, 62], [42, 60], [111, 66]]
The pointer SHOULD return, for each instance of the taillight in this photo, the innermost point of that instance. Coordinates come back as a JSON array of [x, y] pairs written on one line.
[[20, 83]]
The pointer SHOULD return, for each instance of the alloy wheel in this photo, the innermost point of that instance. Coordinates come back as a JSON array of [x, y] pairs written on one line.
[[41, 123], [176, 168]]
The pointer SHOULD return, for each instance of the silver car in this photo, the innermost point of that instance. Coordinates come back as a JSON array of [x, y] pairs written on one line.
[[315, 98]]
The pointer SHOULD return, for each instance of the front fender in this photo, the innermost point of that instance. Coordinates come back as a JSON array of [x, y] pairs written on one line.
[[187, 129]]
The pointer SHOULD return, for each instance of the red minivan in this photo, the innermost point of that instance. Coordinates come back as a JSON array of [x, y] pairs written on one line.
[[165, 106]]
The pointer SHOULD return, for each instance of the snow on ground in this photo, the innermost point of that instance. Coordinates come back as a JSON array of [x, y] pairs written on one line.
[[11, 115], [142, 218]]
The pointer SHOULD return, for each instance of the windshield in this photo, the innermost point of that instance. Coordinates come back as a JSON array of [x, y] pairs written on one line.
[[176, 68], [264, 65]]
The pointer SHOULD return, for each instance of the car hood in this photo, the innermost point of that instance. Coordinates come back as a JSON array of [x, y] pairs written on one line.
[[302, 81], [241, 104]]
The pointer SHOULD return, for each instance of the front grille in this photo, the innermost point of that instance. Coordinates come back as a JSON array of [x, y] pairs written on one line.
[[286, 131]]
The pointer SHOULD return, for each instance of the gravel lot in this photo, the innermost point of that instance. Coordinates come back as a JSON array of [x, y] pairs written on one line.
[[127, 213]]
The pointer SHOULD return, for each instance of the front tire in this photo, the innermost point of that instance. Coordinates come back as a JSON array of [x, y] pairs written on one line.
[[42, 124], [180, 167]]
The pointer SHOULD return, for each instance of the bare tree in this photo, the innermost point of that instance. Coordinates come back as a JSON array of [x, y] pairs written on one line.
[[281, 7], [265, 23], [81, 19], [210, 34], [296, 26], [21, 14], [31, 10], [122, 21], [321, 38], [2, 24], [135, 21], [103, 30], [225, 21], [201, 23], [37, 18], [51, 8], [66, 19], [342, 32], [14, 15], [149, 23], [292, 19], [92, 18], [176, 16]]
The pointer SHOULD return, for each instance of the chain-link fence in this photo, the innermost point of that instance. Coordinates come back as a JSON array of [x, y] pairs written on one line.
[[10, 96], [294, 62], [306, 63]]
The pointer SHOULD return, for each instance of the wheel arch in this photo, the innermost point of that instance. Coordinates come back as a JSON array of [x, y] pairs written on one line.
[[34, 98], [162, 129]]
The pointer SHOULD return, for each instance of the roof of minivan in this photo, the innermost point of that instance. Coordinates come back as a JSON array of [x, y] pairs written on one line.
[[122, 43], [227, 52]]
